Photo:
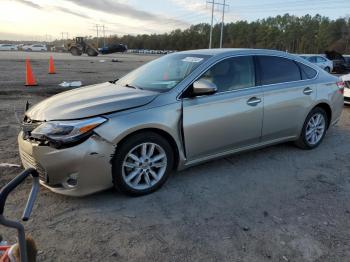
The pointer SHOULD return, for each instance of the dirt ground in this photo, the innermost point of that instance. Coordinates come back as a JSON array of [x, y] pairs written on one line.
[[275, 204]]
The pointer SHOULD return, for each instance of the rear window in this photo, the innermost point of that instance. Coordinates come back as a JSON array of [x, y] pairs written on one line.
[[276, 70], [306, 71]]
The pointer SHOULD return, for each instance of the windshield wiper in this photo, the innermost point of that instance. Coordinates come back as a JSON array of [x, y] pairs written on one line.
[[131, 86], [113, 81]]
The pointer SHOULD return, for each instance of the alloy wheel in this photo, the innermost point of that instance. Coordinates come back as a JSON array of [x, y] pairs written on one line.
[[144, 166], [315, 129]]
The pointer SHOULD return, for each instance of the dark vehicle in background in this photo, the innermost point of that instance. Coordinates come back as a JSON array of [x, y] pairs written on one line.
[[347, 59], [340, 64], [113, 49]]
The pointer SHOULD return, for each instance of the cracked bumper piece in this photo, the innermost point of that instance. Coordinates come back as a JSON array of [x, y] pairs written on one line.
[[75, 171], [347, 95]]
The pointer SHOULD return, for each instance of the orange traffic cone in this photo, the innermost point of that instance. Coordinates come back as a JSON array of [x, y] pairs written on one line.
[[30, 79], [51, 66]]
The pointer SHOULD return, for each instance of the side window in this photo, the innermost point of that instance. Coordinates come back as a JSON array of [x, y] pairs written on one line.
[[276, 70], [307, 72], [320, 59], [313, 59], [232, 73]]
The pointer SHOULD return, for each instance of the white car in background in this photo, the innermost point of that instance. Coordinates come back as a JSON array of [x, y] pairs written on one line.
[[320, 61], [35, 47], [346, 80], [8, 47]]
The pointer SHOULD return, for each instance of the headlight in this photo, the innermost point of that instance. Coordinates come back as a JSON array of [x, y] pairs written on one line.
[[64, 132]]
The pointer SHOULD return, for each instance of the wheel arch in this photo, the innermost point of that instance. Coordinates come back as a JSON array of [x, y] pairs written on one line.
[[326, 107], [166, 135]]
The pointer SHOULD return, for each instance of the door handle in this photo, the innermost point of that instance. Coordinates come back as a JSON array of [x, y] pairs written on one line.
[[253, 101], [307, 91]]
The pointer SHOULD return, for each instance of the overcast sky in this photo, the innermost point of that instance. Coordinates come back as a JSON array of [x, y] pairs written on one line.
[[46, 19]]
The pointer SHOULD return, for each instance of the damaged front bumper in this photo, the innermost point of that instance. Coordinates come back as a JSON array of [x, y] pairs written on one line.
[[347, 94], [75, 171]]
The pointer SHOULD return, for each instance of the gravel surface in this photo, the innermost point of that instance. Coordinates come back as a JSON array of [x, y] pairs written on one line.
[[275, 204]]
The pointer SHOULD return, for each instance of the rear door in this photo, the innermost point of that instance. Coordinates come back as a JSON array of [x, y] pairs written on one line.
[[289, 93], [228, 119]]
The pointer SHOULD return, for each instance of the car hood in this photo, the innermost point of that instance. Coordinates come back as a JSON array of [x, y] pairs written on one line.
[[89, 101]]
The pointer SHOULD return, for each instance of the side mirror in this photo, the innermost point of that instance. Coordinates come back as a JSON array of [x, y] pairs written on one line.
[[203, 87]]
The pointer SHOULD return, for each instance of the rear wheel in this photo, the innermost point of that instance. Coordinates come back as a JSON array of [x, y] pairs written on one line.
[[314, 129], [142, 164]]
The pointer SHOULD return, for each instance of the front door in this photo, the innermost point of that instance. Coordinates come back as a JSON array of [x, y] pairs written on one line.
[[229, 119]]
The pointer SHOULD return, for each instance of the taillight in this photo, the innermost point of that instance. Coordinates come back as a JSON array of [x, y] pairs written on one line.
[[341, 86]]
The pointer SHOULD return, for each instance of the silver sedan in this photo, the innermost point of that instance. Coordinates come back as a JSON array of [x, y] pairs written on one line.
[[174, 112]]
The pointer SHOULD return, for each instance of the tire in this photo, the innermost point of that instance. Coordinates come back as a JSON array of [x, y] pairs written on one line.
[[307, 140], [327, 69], [75, 51], [140, 176], [91, 52]]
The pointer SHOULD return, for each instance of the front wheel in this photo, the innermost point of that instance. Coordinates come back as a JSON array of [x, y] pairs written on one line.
[[91, 52], [75, 51], [142, 164], [314, 129]]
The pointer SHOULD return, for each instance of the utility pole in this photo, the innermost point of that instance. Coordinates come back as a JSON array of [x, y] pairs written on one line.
[[222, 23], [211, 25], [62, 35], [97, 25], [104, 36], [213, 3]]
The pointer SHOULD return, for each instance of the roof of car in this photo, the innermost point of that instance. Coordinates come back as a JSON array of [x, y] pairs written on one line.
[[323, 55], [221, 51]]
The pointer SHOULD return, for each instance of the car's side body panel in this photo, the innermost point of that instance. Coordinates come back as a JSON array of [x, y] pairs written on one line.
[[284, 108], [213, 124], [163, 118]]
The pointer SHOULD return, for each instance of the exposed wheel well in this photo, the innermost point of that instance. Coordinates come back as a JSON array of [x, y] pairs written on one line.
[[162, 133], [328, 110]]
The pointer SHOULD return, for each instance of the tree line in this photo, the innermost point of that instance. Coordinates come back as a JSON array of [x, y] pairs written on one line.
[[306, 34]]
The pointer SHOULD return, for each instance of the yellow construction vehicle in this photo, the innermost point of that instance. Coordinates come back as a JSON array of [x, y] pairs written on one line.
[[79, 46]]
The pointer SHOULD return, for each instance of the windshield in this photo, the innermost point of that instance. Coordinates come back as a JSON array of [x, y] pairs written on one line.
[[163, 73]]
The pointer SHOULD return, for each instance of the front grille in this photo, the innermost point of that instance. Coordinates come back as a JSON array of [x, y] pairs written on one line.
[[29, 161]]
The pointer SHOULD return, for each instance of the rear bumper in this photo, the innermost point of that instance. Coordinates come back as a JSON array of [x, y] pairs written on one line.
[[88, 163]]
